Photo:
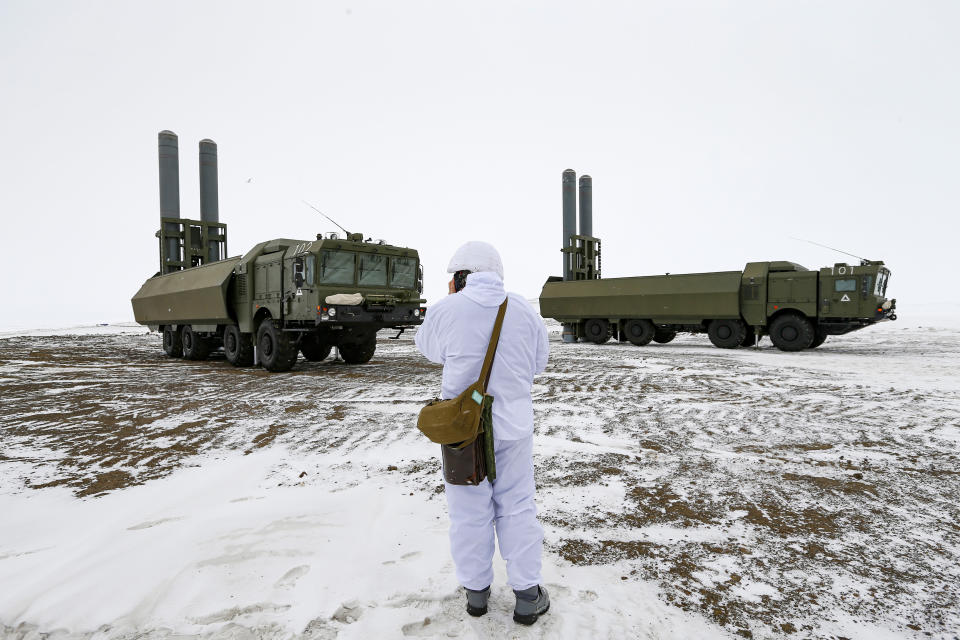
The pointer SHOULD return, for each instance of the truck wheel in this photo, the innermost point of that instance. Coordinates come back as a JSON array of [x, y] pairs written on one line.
[[171, 343], [194, 347], [820, 338], [663, 336], [357, 352], [276, 351], [639, 332], [596, 330], [791, 332], [727, 334], [237, 347], [312, 349]]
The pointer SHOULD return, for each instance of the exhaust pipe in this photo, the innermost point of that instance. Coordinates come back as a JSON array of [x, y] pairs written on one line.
[[569, 217], [169, 157], [209, 196]]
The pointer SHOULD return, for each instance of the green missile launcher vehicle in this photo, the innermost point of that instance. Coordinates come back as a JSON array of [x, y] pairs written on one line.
[[281, 298], [796, 307]]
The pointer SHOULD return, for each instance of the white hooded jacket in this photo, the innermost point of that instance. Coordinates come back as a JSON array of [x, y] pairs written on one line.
[[456, 332]]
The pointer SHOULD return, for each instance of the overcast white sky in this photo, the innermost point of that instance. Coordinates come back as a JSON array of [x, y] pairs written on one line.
[[714, 132]]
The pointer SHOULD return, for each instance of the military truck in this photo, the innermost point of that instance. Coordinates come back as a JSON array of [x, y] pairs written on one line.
[[798, 308], [281, 298]]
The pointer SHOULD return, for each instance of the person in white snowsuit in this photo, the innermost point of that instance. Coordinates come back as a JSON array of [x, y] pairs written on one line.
[[455, 333]]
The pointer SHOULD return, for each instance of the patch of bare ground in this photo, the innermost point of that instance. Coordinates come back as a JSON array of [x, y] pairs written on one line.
[[763, 497], [267, 437], [112, 411]]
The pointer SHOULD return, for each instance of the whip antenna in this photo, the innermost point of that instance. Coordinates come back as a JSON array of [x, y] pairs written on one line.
[[846, 253], [325, 216]]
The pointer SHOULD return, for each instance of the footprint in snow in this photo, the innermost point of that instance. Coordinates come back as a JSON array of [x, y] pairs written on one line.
[[226, 615], [319, 629], [349, 612], [406, 556], [433, 627], [290, 578], [152, 523]]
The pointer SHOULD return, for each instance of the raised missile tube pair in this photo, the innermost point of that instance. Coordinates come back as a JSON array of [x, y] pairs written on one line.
[[168, 147]]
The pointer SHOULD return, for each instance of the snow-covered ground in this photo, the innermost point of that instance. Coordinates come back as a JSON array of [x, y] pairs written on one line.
[[685, 491]]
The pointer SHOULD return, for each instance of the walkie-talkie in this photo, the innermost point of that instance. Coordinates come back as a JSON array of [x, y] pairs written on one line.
[[459, 280]]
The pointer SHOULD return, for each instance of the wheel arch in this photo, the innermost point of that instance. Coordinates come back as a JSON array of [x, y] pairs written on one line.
[[262, 314], [789, 311]]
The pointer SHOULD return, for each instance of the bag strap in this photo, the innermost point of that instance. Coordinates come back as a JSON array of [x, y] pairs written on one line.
[[492, 348]]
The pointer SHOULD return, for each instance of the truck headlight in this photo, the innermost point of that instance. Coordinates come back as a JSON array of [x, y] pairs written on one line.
[[416, 313], [331, 312]]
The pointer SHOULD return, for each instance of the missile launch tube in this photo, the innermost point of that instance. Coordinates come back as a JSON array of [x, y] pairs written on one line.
[[169, 157], [209, 196], [586, 206], [569, 216]]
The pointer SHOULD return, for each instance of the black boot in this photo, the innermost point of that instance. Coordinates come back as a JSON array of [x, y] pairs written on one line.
[[477, 601], [531, 604]]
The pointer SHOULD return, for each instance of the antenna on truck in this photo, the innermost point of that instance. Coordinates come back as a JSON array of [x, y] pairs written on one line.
[[325, 216], [846, 253]]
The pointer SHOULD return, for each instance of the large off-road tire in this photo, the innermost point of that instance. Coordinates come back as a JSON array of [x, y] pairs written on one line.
[[312, 349], [819, 338], [751, 338], [792, 332], [358, 352], [237, 347], [639, 332], [274, 347], [194, 347], [171, 343], [596, 330], [663, 336], [727, 334]]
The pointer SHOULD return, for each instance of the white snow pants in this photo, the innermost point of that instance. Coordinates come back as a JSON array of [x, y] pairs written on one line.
[[505, 505]]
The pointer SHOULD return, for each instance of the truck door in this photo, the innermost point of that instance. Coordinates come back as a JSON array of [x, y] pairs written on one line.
[[300, 273], [840, 298]]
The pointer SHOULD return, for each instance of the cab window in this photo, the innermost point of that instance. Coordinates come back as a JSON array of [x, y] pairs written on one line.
[[847, 284], [373, 270], [309, 269], [403, 273], [882, 283], [336, 267]]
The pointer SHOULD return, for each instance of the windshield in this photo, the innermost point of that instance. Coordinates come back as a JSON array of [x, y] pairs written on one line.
[[336, 267], [403, 274], [882, 279], [373, 270]]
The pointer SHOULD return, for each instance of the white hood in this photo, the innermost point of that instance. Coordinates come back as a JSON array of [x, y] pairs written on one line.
[[485, 288], [476, 256]]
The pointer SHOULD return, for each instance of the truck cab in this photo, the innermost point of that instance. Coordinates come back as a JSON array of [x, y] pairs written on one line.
[[323, 293], [852, 295]]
